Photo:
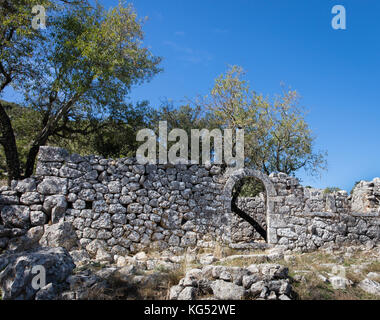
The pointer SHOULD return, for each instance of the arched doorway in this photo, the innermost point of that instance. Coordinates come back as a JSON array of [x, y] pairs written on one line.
[[237, 175]]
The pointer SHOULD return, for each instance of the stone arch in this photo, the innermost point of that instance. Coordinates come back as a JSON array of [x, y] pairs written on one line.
[[237, 175]]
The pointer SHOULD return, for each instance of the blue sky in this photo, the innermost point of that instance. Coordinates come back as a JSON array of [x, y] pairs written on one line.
[[337, 72]]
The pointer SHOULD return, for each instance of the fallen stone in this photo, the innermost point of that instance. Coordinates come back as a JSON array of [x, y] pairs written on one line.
[[187, 293], [19, 270], [61, 234], [370, 286], [16, 216], [223, 290]]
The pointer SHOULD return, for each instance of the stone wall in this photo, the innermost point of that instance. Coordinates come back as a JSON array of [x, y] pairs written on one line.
[[123, 207], [118, 204], [307, 218]]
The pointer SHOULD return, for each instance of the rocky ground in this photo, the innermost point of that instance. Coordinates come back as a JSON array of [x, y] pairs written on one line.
[[73, 273]]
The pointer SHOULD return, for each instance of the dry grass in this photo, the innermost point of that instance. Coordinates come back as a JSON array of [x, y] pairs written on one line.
[[155, 286], [243, 261], [312, 287], [374, 266]]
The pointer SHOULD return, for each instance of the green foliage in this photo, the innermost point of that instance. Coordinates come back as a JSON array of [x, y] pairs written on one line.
[[277, 137], [76, 76], [329, 190], [252, 187], [113, 137], [92, 60], [110, 137], [185, 117]]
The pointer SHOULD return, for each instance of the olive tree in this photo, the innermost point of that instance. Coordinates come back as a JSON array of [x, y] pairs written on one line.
[[277, 136], [86, 61]]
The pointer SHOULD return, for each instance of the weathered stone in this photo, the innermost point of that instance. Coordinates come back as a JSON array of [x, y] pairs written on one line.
[[80, 257], [16, 216], [52, 154], [227, 291], [103, 222], [17, 271], [135, 208], [26, 185], [93, 247], [28, 241], [59, 235], [87, 194], [103, 256], [29, 198], [174, 292], [187, 293], [48, 292], [370, 286], [67, 172], [114, 187], [55, 206], [257, 288], [52, 185], [117, 209], [207, 259]]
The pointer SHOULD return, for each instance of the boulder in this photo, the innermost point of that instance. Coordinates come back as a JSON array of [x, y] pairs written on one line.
[[174, 292], [61, 234], [28, 241], [21, 272], [227, 290], [187, 293], [48, 292], [16, 216], [80, 257], [370, 286]]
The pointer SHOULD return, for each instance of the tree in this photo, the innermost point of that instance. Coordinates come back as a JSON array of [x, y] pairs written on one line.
[[114, 136], [186, 117], [23, 123], [87, 64], [17, 44], [277, 136]]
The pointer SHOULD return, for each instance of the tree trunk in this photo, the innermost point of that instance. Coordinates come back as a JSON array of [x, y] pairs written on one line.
[[244, 215], [8, 141], [30, 161], [32, 155]]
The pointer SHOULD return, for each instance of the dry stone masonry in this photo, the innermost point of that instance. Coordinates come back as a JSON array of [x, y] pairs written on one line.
[[121, 207]]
